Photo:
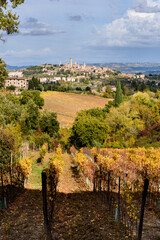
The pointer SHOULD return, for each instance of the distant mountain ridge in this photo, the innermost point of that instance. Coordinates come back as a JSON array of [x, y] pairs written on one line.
[[11, 68], [145, 68]]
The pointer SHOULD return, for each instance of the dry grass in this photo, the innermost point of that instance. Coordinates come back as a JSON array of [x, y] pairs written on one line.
[[66, 105]]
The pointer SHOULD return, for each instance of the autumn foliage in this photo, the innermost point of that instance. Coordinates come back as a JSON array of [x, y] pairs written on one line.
[[53, 171], [24, 167]]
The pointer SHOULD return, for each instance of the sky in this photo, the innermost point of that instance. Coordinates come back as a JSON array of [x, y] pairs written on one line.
[[91, 31]]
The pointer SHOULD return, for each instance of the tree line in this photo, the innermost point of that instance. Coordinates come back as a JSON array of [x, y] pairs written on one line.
[[122, 123]]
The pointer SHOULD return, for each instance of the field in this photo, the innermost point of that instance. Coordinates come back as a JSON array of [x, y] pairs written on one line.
[[66, 105]]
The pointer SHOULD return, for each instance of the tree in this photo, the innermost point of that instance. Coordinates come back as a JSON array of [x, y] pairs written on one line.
[[3, 73], [10, 111], [118, 95], [36, 82], [34, 95], [108, 89], [49, 123], [134, 85], [33, 111], [89, 130], [142, 87], [12, 88], [29, 117], [78, 89], [9, 21], [88, 89], [31, 85]]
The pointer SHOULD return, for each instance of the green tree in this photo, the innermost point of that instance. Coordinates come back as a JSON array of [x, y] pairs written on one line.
[[118, 95], [29, 117], [12, 88], [88, 131], [9, 21], [34, 95], [31, 85], [142, 87], [9, 111], [3, 73], [33, 111], [88, 89], [49, 123], [36, 82], [134, 84]]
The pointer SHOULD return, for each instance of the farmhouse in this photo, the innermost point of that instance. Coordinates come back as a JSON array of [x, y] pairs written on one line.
[[17, 82]]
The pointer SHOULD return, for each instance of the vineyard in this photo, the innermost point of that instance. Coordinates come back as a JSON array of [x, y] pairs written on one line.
[[50, 178], [122, 177], [13, 179], [120, 185]]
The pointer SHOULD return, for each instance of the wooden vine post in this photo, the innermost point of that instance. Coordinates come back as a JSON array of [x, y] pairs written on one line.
[[100, 180], [119, 197], [47, 228], [94, 180], [108, 187], [2, 187], [144, 195]]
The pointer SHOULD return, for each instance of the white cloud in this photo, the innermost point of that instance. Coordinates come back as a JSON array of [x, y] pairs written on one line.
[[27, 53], [138, 27], [148, 6]]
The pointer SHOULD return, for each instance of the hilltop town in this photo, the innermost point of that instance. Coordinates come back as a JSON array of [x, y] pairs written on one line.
[[74, 77]]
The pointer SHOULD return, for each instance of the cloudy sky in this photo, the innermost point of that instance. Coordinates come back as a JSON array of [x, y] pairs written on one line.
[[94, 31]]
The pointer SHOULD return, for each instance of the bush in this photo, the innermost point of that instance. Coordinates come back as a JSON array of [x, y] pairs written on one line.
[[42, 152], [24, 167]]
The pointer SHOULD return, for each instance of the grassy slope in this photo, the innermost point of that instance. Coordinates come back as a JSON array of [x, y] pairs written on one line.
[[37, 168], [66, 105]]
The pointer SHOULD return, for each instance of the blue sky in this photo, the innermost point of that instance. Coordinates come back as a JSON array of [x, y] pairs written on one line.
[[93, 31]]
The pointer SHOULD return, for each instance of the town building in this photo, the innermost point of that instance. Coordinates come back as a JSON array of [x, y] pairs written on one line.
[[18, 74]]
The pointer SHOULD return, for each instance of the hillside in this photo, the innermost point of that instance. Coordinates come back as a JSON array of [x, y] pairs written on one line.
[[145, 68], [66, 105]]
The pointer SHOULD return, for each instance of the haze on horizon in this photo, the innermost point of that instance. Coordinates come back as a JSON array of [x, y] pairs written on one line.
[[86, 30]]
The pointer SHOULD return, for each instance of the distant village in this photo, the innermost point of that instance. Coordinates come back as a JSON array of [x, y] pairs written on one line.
[[71, 72]]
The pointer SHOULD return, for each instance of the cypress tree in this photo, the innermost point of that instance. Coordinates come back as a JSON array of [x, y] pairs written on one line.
[[118, 96], [31, 85]]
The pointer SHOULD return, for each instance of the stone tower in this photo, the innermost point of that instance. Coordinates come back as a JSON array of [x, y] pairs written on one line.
[[70, 62]]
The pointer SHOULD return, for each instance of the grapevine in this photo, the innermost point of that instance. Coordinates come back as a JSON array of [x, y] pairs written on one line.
[[132, 166]]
